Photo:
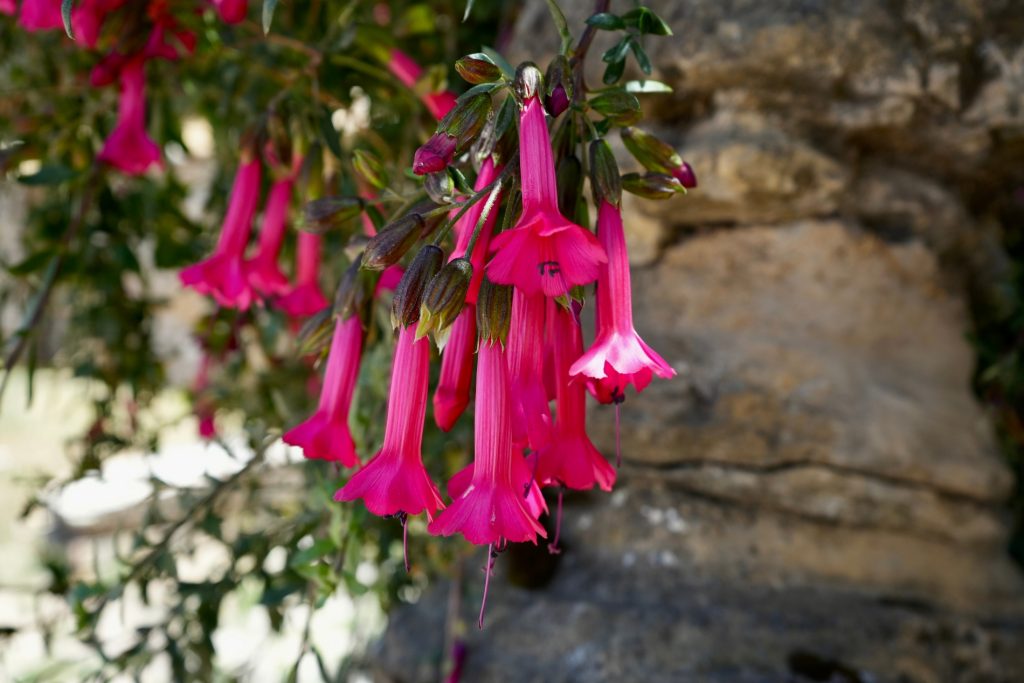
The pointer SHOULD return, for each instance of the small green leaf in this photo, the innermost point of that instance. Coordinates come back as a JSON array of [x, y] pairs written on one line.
[[641, 57], [268, 14], [646, 21], [469, 8], [614, 72], [65, 15], [507, 69], [617, 52], [476, 90], [49, 174], [606, 21]]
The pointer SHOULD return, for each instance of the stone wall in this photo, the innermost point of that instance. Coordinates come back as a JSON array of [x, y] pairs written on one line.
[[817, 495]]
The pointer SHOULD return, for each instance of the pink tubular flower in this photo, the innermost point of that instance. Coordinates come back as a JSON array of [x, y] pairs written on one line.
[[532, 422], [325, 435], [407, 71], [491, 508], [128, 147], [9, 7], [87, 19], [452, 394], [395, 481], [305, 298], [232, 11], [264, 274], [618, 355], [570, 459], [545, 252], [222, 275], [40, 15]]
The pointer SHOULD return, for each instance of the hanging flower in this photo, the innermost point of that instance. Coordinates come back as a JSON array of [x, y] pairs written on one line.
[[545, 252], [222, 275], [532, 424], [305, 298], [264, 274], [452, 394], [570, 460], [40, 15], [491, 509], [408, 72], [618, 356], [325, 435], [129, 148], [232, 11], [395, 481]]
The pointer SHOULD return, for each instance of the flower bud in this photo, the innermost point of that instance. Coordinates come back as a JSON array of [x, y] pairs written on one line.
[[478, 68], [529, 82], [435, 154], [350, 295], [330, 212], [389, 245], [315, 333], [493, 311], [604, 173], [467, 119], [498, 135], [652, 185], [439, 187], [658, 156], [444, 299], [405, 307], [685, 175], [369, 168], [558, 94]]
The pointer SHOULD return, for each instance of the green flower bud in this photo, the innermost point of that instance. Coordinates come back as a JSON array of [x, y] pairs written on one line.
[[652, 153], [330, 212], [493, 311], [621, 107], [405, 307], [444, 299], [604, 173], [559, 91], [389, 245], [529, 82], [478, 68], [466, 120], [652, 185]]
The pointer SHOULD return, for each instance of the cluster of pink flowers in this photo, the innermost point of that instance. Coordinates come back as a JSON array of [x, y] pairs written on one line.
[[520, 445]]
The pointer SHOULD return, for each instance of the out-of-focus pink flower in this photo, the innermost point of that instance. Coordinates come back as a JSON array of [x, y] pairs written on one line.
[[305, 298], [545, 252], [87, 19], [618, 356], [407, 71], [232, 11], [325, 435], [9, 7], [222, 275], [570, 460], [491, 509], [129, 148], [265, 275], [395, 480], [40, 15]]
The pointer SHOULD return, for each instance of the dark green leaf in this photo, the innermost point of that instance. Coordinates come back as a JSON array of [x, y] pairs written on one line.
[[507, 69], [49, 174], [646, 21], [614, 72], [641, 57], [606, 21], [617, 52], [561, 24]]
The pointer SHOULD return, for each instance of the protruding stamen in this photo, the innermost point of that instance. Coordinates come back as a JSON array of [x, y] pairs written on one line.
[[617, 398], [492, 555], [553, 546], [405, 539], [533, 474]]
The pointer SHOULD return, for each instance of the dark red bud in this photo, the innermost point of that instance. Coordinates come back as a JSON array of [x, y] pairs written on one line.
[[685, 175], [435, 154]]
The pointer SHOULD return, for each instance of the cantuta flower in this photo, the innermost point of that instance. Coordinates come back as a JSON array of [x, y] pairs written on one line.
[[452, 394], [325, 435], [395, 480], [265, 275], [532, 424], [492, 508], [570, 460], [222, 275], [407, 71], [305, 298], [129, 148], [618, 356], [40, 15], [545, 252]]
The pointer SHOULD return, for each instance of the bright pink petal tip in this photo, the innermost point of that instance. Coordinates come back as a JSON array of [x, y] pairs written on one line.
[[129, 148], [303, 301], [323, 438], [221, 276]]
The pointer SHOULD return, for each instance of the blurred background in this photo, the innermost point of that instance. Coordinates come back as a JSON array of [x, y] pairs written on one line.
[[829, 490]]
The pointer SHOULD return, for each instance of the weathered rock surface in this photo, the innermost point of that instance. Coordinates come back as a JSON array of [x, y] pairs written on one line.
[[817, 495]]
